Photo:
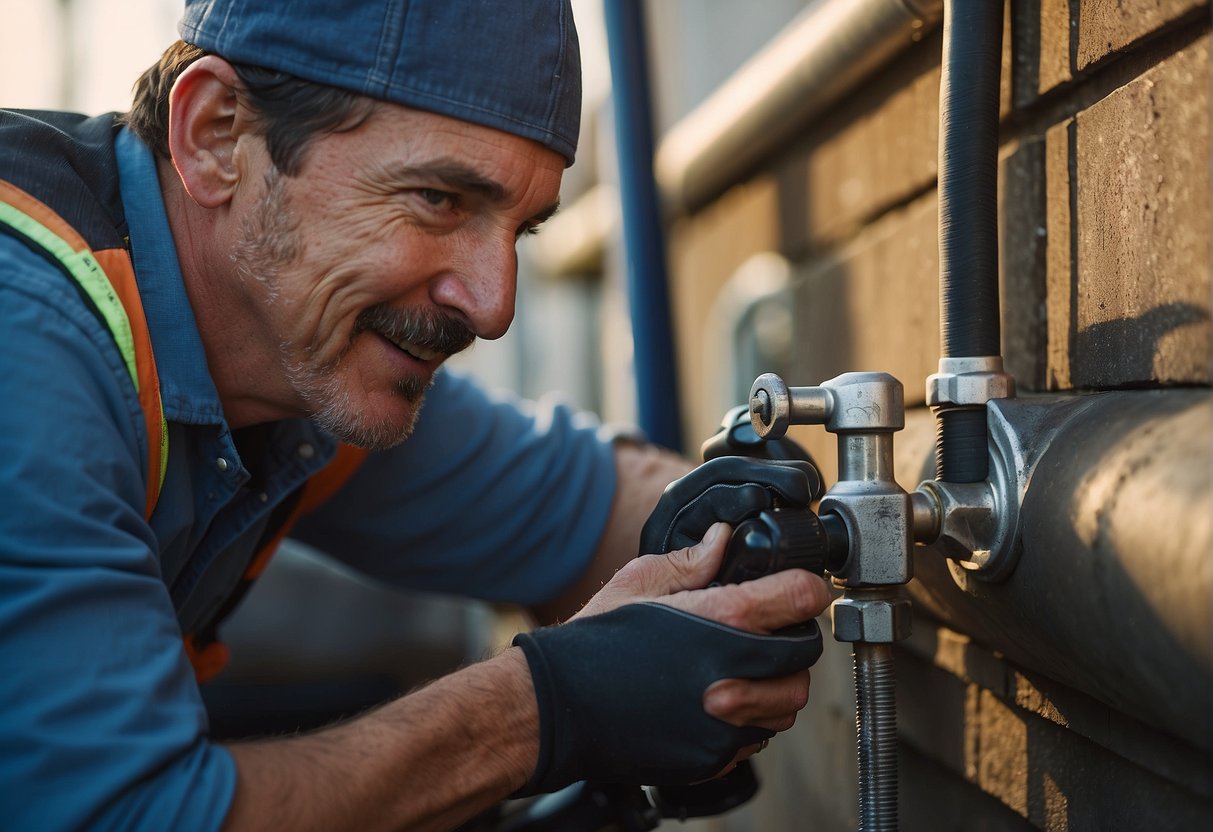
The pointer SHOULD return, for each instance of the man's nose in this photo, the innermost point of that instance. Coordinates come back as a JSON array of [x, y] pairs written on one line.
[[482, 288]]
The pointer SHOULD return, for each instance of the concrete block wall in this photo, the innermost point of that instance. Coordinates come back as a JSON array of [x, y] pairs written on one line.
[[1105, 267]]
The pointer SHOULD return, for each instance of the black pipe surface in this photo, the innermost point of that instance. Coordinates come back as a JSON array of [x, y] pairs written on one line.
[[961, 443], [968, 178], [969, 312], [1111, 595]]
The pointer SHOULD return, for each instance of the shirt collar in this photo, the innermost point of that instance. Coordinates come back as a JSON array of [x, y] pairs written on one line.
[[186, 388]]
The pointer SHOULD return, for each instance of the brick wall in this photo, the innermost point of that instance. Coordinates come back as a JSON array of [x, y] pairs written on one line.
[[1105, 252]]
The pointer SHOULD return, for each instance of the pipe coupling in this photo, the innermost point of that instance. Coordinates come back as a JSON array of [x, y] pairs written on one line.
[[969, 381], [976, 529], [879, 517]]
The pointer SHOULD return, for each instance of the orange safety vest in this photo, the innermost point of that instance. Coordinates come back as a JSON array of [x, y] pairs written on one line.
[[106, 279]]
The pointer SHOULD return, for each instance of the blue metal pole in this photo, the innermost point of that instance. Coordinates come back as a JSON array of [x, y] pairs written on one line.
[[643, 237]]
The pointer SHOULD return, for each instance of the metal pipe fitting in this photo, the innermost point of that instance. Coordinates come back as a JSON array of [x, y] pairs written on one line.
[[867, 457], [958, 394], [926, 515], [882, 523], [849, 403], [977, 525], [972, 380], [774, 406], [864, 410]]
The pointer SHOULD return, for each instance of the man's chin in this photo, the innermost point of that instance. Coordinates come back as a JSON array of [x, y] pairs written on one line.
[[373, 435]]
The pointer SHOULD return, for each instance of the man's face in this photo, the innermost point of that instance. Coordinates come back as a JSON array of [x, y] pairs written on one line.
[[390, 250]]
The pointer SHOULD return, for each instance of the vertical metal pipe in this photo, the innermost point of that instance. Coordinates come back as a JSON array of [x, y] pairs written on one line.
[[876, 729], [866, 457], [644, 243]]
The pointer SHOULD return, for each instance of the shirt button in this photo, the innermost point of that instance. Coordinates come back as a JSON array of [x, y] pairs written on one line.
[[305, 451], [263, 497], [221, 464]]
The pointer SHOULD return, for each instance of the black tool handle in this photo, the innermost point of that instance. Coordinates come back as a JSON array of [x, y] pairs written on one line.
[[783, 538]]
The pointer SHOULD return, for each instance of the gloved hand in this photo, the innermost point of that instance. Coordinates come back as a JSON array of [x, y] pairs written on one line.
[[625, 689], [621, 694], [737, 437], [728, 489]]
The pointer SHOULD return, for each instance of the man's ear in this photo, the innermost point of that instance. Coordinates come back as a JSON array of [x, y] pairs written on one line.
[[205, 120]]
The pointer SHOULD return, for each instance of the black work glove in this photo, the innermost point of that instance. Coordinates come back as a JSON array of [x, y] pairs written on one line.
[[621, 694], [728, 489], [737, 437]]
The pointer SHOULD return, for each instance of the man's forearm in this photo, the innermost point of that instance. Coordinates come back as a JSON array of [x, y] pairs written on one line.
[[426, 761], [642, 472]]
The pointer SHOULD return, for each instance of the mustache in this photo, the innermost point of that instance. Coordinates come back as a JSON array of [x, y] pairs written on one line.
[[429, 330]]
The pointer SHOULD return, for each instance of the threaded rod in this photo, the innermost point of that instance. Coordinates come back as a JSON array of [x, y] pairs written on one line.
[[876, 729]]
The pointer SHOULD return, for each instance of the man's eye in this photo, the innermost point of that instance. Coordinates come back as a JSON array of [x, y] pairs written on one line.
[[438, 199]]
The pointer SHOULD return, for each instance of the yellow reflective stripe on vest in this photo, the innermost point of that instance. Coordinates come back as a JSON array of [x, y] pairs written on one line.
[[96, 283], [88, 273]]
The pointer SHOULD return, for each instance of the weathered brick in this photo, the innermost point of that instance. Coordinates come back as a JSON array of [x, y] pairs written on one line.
[[1058, 40], [930, 710], [1104, 27], [1059, 254], [1040, 32], [1127, 262], [1023, 249], [998, 753], [932, 797], [705, 252], [1060, 781], [874, 151], [874, 305], [1142, 253], [1053, 755], [1056, 31]]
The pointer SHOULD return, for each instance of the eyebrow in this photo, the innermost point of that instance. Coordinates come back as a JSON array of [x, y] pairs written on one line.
[[455, 175], [461, 177]]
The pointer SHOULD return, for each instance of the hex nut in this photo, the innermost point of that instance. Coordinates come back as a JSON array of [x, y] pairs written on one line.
[[871, 620], [968, 388]]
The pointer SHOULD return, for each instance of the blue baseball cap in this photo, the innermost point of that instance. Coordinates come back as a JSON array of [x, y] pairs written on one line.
[[513, 66]]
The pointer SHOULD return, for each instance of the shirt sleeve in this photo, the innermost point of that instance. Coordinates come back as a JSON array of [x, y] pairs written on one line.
[[101, 722], [491, 497]]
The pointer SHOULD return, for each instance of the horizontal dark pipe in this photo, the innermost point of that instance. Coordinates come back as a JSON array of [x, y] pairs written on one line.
[[1113, 592]]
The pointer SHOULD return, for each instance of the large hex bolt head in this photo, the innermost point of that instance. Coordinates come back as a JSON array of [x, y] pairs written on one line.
[[871, 620]]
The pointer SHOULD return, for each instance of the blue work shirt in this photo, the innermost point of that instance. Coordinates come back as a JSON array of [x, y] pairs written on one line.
[[101, 722]]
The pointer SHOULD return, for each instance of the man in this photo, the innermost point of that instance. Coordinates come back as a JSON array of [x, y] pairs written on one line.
[[320, 206]]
